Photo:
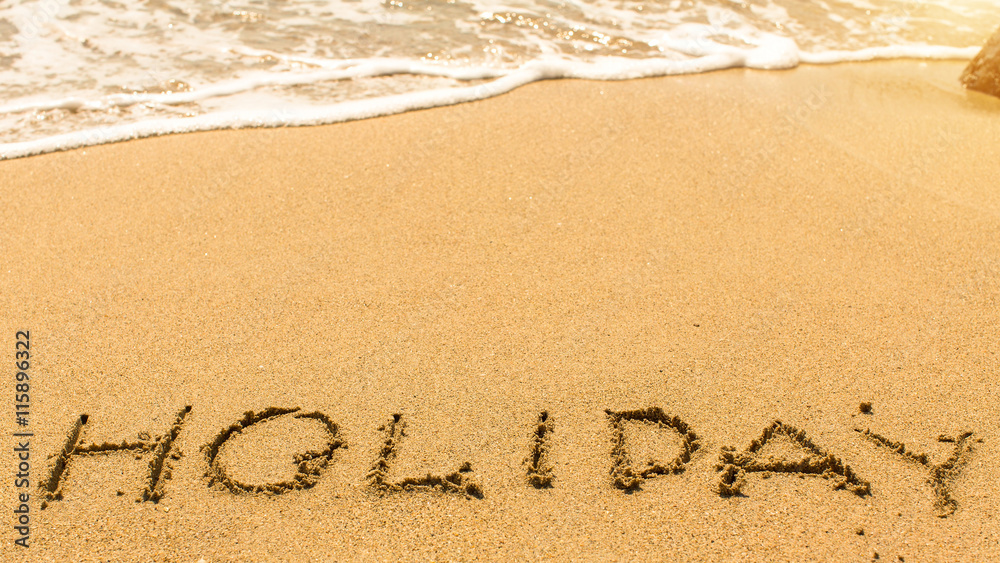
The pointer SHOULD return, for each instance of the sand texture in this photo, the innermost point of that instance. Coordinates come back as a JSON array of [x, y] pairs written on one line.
[[581, 321]]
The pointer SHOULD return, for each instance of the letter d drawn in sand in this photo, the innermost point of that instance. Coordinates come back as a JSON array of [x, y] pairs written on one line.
[[628, 476]]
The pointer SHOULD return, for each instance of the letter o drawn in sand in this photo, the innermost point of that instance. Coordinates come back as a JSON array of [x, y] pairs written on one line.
[[309, 464]]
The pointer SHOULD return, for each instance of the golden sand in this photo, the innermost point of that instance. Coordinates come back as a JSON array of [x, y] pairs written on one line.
[[528, 327]]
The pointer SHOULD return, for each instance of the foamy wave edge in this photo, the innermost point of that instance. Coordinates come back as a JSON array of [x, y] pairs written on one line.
[[611, 68]]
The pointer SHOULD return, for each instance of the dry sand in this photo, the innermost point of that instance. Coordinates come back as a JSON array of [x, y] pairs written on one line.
[[734, 248]]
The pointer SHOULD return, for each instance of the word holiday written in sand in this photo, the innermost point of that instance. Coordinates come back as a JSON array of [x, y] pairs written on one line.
[[734, 467]]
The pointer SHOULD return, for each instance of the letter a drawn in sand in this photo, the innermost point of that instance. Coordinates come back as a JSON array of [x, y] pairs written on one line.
[[457, 482], [735, 466]]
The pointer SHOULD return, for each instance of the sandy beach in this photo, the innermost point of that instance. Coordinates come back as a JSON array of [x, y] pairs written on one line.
[[734, 248]]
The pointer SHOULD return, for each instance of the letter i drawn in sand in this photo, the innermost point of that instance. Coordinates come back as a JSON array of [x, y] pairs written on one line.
[[539, 469], [457, 482]]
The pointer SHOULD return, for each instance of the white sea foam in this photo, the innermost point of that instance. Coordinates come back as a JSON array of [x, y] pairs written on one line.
[[93, 72]]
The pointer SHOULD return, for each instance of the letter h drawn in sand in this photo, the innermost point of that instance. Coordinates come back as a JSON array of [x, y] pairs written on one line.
[[457, 482], [942, 475], [735, 466], [309, 465], [624, 473], [159, 466]]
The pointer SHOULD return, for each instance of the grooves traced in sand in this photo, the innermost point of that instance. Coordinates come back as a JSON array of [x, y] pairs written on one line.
[[942, 475], [624, 473], [310, 464], [159, 467], [457, 482], [540, 474], [735, 466]]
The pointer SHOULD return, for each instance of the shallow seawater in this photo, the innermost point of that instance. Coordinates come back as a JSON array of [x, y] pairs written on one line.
[[80, 72]]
